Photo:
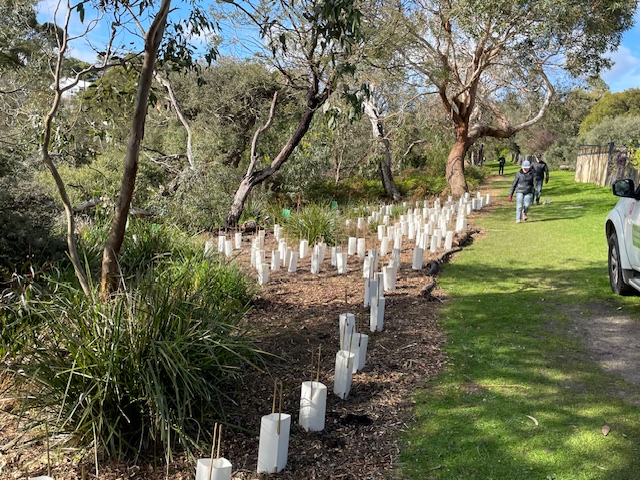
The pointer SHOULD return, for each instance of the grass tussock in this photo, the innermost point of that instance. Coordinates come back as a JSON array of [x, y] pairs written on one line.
[[142, 372]]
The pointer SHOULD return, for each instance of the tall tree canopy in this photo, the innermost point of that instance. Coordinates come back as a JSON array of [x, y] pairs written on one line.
[[475, 53]]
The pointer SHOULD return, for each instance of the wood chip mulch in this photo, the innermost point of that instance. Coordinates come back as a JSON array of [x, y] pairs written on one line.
[[295, 314]]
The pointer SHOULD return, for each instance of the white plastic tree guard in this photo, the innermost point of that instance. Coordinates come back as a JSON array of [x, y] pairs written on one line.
[[360, 223], [361, 248], [315, 263], [352, 246], [220, 469], [275, 260], [359, 342], [263, 274], [228, 248], [313, 406], [216, 467], [343, 373], [417, 259], [448, 240], [334, 255], [287, 257], [341, 263], [41, 477], [384, 246], [238, 240], [304, 248], [376, 318], [221, 240], [276, 231], [390, 276], [347, 325], [321, 249], [381, 231], [273, 447], [313, 400], [293, 262], [366, 267]]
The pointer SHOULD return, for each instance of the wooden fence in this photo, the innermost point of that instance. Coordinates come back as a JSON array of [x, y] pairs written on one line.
[[602, 164]]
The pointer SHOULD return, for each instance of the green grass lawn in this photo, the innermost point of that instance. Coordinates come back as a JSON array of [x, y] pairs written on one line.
[[514, 354]]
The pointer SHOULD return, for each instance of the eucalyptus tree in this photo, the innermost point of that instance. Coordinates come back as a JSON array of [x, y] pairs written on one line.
[[122, 18], [473, 53], [309, 44]]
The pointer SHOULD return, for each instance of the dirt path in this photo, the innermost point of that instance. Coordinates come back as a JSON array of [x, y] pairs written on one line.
[[611, 338]]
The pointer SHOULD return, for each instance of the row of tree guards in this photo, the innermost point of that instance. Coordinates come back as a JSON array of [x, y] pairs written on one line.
[[430, 229]]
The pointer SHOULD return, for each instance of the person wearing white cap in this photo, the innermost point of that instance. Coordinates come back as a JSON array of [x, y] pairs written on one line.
[[523, 188]]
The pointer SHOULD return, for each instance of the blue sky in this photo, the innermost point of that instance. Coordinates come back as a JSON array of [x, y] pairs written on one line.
[[624, 74]]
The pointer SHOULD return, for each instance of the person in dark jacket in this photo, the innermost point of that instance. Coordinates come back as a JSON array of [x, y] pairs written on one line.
[[540, 174], [501, 162], [523, 188]]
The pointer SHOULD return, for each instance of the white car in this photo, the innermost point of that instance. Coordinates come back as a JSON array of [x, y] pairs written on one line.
[[622, 227]]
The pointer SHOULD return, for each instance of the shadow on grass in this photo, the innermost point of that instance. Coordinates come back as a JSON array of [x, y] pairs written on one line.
[[520, 400]]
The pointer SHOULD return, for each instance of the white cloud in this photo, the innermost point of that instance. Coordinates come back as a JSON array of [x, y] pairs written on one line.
[[625, 72]]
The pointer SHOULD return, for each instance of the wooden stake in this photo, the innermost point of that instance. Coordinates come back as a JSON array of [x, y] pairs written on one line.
[[213, 447]]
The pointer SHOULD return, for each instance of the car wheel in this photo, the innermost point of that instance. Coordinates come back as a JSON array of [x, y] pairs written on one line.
[[615, 268]]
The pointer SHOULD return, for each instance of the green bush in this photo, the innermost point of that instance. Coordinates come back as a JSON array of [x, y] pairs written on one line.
[[315, 223], [143, 370]]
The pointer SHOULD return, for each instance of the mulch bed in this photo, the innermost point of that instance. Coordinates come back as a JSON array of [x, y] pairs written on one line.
[[295, 314]]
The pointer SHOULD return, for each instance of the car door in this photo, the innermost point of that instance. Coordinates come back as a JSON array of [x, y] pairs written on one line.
[[631, 222]]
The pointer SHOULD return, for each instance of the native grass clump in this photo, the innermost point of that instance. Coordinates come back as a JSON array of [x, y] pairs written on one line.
[[142, 372], [315, 223]]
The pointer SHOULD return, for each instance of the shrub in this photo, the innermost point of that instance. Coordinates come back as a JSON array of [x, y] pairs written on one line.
[[315, 223], [144, 369]]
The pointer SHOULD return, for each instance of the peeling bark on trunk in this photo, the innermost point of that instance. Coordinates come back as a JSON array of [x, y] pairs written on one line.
[[377, 126], [110, 268], [455, 168]]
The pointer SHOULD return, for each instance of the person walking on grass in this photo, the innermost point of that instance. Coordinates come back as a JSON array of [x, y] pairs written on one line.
[[540, 171], [523, 187], [501, 162]]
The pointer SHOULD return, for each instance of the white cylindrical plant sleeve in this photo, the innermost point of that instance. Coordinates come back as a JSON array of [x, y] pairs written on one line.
[[273, 447], [361, 248], [313, 406], [293, 262], [221, 240], [359, 342], [238, 240], [343, 373], [376, 318], [304, 248], [381, 231], [448, 240], [275, 260], [384, 246], [221, 469], [341, 260], [417, 259], [315, 263], [366, 267], [352, 246], [263, 274], [347, 324]]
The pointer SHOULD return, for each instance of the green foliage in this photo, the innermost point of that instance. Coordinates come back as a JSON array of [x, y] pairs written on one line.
[[612, 105], [146, 244], [621, 130], [201, 199], [146, 368], [102, 179], [315, 223], [30, 232]]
